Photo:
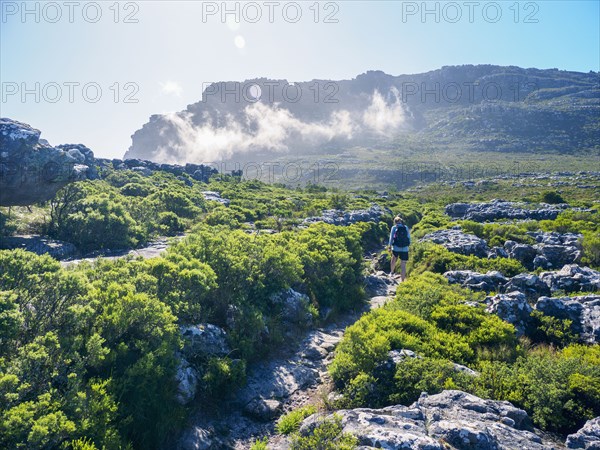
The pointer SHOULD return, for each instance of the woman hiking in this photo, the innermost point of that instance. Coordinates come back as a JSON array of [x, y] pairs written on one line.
[[398, 243]]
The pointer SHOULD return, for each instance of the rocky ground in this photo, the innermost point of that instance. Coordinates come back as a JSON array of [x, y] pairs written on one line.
[[295, 376]]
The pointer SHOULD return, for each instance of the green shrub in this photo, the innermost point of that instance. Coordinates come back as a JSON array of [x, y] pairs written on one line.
[[552, 330], [326, 435], [170, 223], [416, 375], [291, 421], [559, 389], [552, 197], [427, 256], [260, 444]]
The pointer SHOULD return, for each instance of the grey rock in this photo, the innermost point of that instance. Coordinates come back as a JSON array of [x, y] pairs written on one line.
[[490, 281], [187, 381], [587, 438], [376, 285], [293, 306], [39, 245], [582, 311], [198, 438], [523, 253], [572, 278], [512, 308], [31, 170], [204, 340], [451, 418], [458, 242], [499, 209], [263, 409], [84, 156], [339, 217], [497, 252], [531, 285], [215, 197]]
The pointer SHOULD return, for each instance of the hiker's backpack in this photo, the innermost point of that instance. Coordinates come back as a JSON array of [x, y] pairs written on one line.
[[401, 236]]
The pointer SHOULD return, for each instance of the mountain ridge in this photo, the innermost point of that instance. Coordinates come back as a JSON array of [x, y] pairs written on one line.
[[486, 107]]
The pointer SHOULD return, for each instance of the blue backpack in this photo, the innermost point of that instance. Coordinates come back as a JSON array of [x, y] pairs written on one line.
[[401, 236]]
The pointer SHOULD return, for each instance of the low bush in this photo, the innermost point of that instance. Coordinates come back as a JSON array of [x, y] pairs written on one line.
[[291, 421]]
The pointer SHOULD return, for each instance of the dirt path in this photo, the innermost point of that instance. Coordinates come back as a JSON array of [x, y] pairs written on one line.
[[295, 377]]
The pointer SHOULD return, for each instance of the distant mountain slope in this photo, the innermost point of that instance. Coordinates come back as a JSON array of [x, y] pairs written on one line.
[[482, 107]]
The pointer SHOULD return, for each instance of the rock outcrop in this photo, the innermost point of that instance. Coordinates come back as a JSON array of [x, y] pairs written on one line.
[[294, 307], [204, 340], [459, 242], [215, 197], [199, 341], [451, 418], [31, 170], [490, 281], [500, 209], [588, 438], [512, 308], [39, 245], [582, 311], [530, 285], [339, 217], [572, 278]]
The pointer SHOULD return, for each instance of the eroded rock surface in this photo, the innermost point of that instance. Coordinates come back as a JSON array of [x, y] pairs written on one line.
[[499, 209], [453, 418], [340, 217], [459, 242], [588, 438], [512, 308], [31, 170]]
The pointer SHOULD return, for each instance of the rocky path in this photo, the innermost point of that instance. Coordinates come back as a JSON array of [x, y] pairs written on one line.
[[295, 377]]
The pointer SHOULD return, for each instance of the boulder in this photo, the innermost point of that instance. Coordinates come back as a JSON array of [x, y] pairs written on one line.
[[523, 253], [531, 285], [84, 156], [263, 409], [187, 381], [572, 278], [214, 196], [31, 170], [490, 281], [204, 340], [377, 285], [451, 419], [458, 242], [583, 312], [294, 307], [497, 252], [512, 308], [588, 438]]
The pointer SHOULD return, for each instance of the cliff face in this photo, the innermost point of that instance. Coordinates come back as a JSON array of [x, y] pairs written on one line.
[[31, 170], [482, 107]]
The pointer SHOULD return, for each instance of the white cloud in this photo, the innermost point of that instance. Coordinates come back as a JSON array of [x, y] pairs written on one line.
[[383, 118], [271, 127], [171, 88]]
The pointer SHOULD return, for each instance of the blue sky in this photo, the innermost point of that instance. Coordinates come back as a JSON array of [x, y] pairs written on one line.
[[161, 53]]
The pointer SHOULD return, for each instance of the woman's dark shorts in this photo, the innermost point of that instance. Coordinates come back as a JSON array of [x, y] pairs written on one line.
[[403, 255]]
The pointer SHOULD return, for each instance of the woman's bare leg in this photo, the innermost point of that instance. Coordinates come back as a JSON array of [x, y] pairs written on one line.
[[393, 263], [402, 270]]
